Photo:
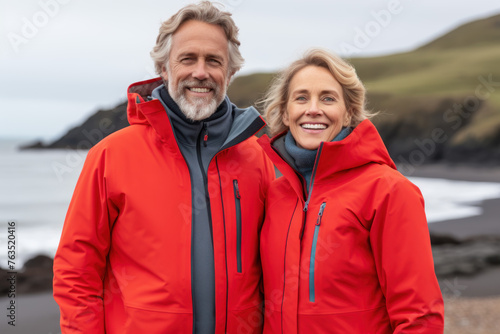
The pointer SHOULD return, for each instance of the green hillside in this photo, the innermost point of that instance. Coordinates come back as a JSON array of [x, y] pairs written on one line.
[[440, 102], [451, 84]]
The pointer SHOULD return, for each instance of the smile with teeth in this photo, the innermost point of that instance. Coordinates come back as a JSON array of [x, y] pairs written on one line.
[[315, 126], [199, 89]]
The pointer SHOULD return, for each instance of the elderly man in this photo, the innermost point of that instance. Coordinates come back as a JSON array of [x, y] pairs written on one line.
[[161, 235]]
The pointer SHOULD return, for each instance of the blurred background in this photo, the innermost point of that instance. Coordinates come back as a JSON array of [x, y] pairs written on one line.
[[432, 69]]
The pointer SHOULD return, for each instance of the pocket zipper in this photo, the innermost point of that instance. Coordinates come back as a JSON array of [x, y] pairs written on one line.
[[312, 292], [237, 198]]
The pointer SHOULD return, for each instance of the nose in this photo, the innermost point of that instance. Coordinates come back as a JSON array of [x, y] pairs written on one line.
[[313, 108], [200, 70]]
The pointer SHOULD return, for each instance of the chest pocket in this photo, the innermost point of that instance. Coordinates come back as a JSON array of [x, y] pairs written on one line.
[[312, 264]]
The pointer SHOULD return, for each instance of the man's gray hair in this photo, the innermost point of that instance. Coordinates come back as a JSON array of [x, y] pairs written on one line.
[[206, 12]]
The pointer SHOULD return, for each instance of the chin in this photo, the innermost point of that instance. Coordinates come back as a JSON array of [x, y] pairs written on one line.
[[309, 145]]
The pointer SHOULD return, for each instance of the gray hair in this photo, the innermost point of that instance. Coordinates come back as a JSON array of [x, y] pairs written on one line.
[[206, 12]]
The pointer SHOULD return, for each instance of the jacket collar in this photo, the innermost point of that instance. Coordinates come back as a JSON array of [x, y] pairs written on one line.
[[363, 146], [142, 109]]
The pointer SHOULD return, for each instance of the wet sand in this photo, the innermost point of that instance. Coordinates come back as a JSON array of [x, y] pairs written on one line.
[[35, 314]]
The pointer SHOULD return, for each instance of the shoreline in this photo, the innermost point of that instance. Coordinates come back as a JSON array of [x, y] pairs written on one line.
[[488, 223], [450, 171]]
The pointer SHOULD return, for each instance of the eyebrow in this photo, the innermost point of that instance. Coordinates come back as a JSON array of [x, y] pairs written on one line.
[[210, 55], [323, 92]]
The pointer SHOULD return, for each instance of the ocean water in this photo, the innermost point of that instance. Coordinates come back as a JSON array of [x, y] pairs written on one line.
[[36, 188]]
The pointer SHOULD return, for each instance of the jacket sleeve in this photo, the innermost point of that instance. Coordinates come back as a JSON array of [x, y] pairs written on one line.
[[401, 246], [269, 174], [80, 260]]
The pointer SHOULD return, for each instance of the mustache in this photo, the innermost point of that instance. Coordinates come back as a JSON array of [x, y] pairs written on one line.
[[198, 83]]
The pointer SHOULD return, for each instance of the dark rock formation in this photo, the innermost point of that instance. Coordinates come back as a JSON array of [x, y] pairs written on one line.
[[35, 276], [454, 257], [92, 131]]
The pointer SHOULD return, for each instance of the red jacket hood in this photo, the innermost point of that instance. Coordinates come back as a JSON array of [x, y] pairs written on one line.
[[362, 146], [138, 93]]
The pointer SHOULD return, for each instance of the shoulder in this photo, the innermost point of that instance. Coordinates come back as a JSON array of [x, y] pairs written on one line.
[[248, 149], [280, 188], [122, 137], [383, 183], [397, 187], [122, 140]]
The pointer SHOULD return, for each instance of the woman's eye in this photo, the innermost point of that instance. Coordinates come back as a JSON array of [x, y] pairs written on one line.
[[300, 98], [329, 99]]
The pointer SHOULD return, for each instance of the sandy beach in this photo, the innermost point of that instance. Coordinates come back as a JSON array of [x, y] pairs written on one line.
[[35, 314], [471, 302]]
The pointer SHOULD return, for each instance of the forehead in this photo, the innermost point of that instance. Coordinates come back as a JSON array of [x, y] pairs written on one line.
[[314, 78], [200, 38]]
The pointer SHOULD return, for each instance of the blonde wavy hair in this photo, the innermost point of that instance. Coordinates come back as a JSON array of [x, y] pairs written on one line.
[[206, 12], [276, 99]]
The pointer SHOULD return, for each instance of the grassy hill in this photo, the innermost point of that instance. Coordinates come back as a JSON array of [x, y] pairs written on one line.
[[438, 102], [451, 84]]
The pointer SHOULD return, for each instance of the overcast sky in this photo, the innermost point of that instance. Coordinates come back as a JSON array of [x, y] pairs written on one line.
[[61, 60]]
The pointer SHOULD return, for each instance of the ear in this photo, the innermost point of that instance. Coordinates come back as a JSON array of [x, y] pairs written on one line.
[[347, 118], [164, 73], [229, 79], [285, 119]]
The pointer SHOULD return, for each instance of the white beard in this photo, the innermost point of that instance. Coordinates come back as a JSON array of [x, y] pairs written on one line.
[[200, 108]]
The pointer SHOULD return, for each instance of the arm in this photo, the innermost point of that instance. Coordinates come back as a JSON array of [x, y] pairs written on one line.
[[402, 251], [80, 260], [270, 174]]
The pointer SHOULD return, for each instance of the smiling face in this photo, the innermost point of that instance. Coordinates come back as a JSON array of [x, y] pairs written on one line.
[[315, 110], [197, 71]]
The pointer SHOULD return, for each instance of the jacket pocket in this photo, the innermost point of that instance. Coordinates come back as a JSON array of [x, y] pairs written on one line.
[[312, 267], [237, 202]]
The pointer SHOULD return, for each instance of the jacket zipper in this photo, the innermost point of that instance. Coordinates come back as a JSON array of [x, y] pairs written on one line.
[[204, 174], [207, 199], [311, 183], [237, 200], [312, 292], [207, 196]]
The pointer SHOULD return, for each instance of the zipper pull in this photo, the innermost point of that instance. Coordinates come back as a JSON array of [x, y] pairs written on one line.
[[237, 189], [320, 213], [205, 137]]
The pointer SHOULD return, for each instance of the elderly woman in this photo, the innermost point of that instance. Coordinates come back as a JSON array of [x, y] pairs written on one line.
[[345, 245]]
